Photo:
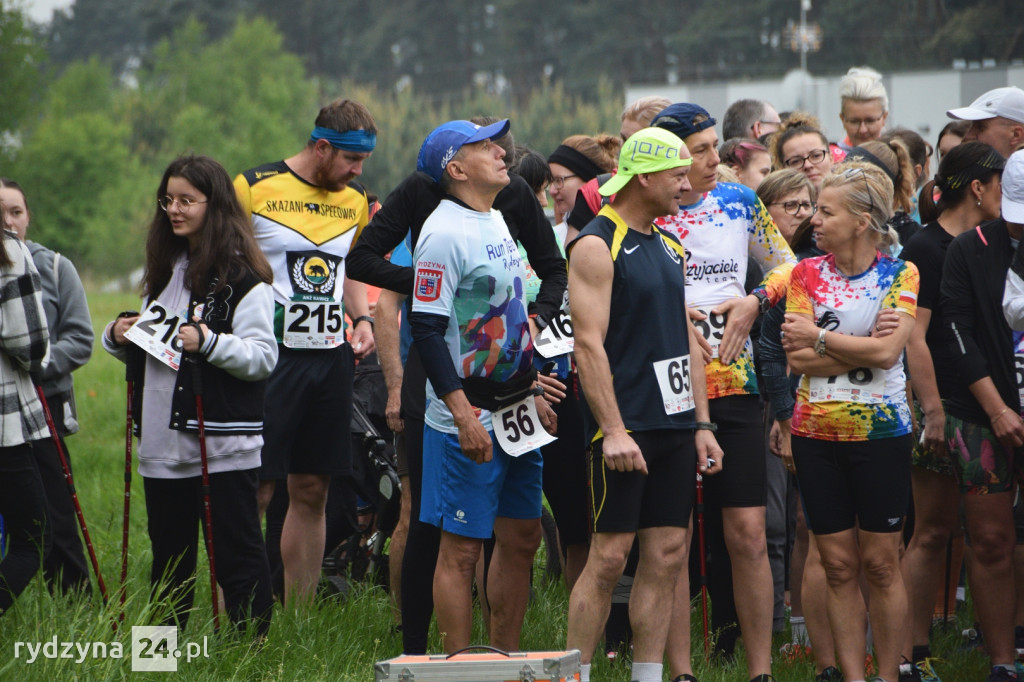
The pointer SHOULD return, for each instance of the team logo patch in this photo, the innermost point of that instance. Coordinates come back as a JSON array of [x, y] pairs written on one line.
[[313, 273], [428, 284]]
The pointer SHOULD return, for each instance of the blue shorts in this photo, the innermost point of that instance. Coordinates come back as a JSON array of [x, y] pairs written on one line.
[[463, 497]]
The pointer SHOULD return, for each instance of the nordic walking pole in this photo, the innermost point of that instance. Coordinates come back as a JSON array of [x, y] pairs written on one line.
[[129, 377], [699, 508], [74, 494], [197, 389]]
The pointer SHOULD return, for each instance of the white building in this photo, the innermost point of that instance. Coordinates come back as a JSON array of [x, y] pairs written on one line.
[[918, 100]]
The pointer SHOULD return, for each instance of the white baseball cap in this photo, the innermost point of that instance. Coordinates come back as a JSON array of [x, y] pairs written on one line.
[[1005, 102], [1013, 188]]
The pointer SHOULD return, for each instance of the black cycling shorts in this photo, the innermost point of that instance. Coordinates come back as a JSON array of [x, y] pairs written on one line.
[[308, 414], [627, 501], [743, 480], [854, 483]]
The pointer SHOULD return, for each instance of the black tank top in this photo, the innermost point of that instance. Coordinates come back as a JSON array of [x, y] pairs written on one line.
[[646, 325]]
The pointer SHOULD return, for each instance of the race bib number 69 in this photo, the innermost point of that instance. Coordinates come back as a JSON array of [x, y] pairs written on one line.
[[712, 328]]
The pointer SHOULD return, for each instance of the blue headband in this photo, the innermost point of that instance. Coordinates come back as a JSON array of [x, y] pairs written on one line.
[[350, 140]]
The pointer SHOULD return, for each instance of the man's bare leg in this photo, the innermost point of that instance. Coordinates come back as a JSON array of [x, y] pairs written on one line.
[[453, 589], [662, 551], [752, 583], [508, 581], [304, 536], [591, 599]]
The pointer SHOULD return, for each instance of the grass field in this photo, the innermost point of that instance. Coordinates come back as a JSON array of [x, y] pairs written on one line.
[[339, 640]]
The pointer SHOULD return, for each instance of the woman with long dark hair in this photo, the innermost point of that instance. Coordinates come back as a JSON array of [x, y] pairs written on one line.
[[203, 266], [968, 179]]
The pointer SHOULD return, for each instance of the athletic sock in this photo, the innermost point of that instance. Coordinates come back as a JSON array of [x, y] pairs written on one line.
[[646, 672], [584, 672], [921, 652], [799, 629]]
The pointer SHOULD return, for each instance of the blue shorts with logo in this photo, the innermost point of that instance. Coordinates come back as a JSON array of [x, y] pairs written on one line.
[[463, 497]]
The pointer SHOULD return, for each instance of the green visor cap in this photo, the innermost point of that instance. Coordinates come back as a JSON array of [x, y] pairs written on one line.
[[646, 151]]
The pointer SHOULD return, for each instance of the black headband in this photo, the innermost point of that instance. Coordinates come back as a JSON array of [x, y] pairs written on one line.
[[873, 160], [575, 161]]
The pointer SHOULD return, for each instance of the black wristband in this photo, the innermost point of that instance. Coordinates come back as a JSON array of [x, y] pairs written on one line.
[[706, 426], [362, 318]]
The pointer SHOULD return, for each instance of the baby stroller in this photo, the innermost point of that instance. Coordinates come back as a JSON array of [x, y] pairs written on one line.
[[363, 509]]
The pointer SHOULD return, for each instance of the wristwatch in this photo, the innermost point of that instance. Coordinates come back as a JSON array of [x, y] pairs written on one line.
[[706, 426], [764, 303], [819, 345]]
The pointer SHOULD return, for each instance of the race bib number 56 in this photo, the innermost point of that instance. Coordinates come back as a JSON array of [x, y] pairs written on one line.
[[518, 428], [674, 381]]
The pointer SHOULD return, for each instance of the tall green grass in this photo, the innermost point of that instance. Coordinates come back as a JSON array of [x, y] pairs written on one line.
[[338, 640]]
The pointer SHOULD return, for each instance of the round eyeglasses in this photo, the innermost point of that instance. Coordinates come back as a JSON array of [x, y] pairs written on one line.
[[184, 203]]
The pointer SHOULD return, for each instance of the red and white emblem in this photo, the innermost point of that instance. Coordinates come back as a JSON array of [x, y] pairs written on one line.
[[428, 284]]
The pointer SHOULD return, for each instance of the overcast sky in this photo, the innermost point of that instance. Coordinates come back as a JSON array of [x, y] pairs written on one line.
[[42, 10]]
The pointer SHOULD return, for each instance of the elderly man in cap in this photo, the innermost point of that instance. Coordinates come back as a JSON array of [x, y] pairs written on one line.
[[722, 224], [997, 119], [647, 421], [485, 413]]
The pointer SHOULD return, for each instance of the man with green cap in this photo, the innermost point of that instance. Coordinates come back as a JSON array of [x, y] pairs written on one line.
[[647, 418]]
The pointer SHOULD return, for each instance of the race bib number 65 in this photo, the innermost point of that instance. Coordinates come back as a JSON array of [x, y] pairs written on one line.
[[674, 381]]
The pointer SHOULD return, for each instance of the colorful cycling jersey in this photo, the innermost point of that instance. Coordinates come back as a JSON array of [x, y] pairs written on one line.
[[866, 403], [718, 233], [469, 270], [305, 232]]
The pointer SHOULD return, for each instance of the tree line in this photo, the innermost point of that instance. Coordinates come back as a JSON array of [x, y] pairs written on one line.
[[97, 102], [91, 144]]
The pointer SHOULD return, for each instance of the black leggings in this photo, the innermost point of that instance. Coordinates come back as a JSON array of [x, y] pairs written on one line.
[[64, 566], [174, 508], [23, 506], [421, 548]]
